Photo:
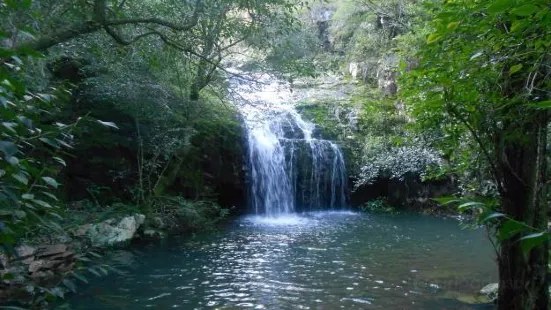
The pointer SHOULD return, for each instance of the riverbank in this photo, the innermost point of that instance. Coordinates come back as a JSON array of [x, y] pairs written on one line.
[[43, 270]]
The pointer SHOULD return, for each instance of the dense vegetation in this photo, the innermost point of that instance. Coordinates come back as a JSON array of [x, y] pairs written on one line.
[[114, 107]]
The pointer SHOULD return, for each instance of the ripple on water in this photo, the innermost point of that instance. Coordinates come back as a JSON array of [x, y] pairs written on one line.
[[318, 260]]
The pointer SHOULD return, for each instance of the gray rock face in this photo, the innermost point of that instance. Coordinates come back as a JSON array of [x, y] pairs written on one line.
[[365, 71], [111, 232], [386, 74], [322, 16]]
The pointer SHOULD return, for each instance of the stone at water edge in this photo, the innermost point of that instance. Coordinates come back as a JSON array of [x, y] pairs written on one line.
[[109, 232], [42, 263], [490, 291]]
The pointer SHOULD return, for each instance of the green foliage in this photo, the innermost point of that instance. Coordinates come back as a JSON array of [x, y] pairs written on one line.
[[484, 68], [177, 214], [31, 144], [379, 205]]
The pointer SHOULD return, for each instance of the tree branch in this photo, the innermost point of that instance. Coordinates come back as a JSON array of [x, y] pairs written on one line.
[[100, 21]]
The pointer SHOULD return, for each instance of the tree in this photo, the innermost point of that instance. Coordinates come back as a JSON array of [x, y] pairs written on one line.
[[484, 75]]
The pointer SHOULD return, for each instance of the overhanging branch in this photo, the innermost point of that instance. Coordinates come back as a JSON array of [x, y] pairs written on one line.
[[99, 22]]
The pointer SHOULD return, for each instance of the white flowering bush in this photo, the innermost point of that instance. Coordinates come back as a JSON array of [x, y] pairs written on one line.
[[396, 163]]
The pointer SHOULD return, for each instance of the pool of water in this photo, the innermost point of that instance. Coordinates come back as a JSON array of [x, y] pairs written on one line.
[[326, 260]]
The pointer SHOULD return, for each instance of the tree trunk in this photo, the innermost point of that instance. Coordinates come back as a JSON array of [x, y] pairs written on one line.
[[523, 283]]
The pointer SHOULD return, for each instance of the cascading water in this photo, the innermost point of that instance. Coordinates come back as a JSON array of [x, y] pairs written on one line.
[[291, 168]]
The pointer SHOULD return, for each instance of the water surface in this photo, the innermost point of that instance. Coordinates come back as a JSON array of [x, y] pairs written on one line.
[[326, 260]]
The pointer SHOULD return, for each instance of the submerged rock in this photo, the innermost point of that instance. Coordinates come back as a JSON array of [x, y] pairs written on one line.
[[111, 232]]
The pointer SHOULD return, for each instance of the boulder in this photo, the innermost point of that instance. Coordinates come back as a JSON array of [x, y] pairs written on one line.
[[111, 232]]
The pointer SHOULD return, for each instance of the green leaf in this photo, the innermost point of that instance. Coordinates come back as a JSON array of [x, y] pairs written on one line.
[[50, 142], [27, 196], [499, 6], [447, 200], [544, 104], [42, 203], [60, 160], [21, 178], [108, 124], [70, 285], [94, 272], [527, 243], [453, 25], [8, 148], [525, 10], [509, 229], [470, 205], [14, 161], [50, 181], [49, 195], [94, 254], [492, 216], [514, 69], [81, 278], [518, 25], [402, 65], [433, 38], [20, 214]]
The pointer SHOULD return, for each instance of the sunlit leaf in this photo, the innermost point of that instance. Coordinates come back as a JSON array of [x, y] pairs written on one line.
[[470, 205], [433, 38], [492, 216], [452, 25], [515, 68], [50, 181], [21, 178], [108, 124], [528, 242]]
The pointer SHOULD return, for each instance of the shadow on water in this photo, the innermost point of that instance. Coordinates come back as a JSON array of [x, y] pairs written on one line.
[[319, 260]]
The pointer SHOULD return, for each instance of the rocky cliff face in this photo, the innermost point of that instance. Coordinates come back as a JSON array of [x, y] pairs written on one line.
[[322, 16]]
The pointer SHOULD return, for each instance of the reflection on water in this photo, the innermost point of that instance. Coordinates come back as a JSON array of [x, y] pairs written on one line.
[[323, 260]]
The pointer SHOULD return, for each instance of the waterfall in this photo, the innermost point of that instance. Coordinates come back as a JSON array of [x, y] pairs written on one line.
[[291, 167]]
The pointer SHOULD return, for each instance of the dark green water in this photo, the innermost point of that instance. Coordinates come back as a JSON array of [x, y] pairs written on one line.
[[318, 261]]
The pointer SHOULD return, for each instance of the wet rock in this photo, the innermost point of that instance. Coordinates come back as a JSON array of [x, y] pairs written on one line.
[[111, 232]]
